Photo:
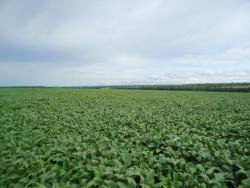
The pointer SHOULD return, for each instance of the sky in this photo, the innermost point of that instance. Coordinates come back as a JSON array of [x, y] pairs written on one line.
[[117, 42]]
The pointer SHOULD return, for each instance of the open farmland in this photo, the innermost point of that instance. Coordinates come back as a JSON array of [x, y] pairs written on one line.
[[123, 138]]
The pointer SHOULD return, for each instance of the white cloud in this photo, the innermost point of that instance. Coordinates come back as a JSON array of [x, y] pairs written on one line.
[[238, 54]]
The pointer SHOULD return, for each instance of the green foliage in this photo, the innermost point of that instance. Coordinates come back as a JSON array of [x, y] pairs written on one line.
[[74, 138]]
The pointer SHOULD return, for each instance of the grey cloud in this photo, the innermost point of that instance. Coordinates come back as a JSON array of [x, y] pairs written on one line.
[[102, 42]]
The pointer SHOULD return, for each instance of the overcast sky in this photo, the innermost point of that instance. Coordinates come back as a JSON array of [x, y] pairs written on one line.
[[107, 42]]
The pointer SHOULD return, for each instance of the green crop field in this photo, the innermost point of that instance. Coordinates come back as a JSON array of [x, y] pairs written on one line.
[[123, 138]]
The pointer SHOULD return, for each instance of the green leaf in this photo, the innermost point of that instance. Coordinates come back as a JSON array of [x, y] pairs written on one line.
[[246, 182]]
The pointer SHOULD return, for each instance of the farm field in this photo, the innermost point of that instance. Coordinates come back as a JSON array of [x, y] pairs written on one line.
[[123, 138]]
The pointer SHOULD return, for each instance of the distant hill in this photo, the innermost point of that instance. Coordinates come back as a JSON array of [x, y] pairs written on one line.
[[223, 87], [229, 87]]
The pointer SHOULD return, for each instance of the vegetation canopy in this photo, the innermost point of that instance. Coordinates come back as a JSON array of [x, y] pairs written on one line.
[[123, 138]]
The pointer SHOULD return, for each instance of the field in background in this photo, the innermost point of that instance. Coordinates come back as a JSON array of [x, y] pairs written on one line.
[[123, 138]]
